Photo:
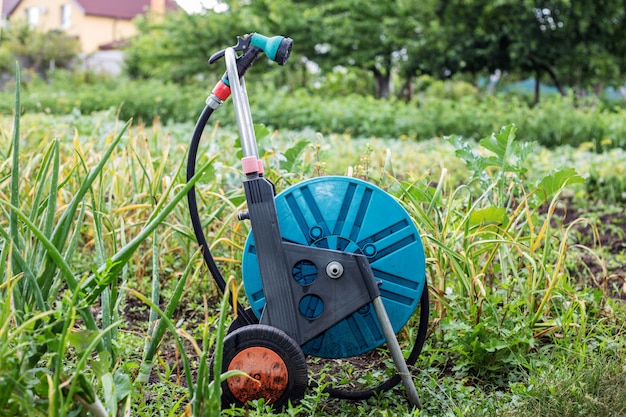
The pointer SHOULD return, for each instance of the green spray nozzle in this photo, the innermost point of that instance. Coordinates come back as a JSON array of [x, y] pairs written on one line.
[[277, 48]]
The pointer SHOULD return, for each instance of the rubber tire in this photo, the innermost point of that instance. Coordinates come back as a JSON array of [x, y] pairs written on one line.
[[274, 339]]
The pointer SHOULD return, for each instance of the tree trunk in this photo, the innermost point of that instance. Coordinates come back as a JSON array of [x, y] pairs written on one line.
[[537, 85], [540, 66], [382, 84], [304, 79], [407, 89], [382, 78], [555, 80]]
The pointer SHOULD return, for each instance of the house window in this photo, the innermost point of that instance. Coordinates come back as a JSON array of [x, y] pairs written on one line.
[[32, 16], [66, 16]]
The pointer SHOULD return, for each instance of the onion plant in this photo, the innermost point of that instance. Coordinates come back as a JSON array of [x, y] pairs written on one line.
[[56, 211], [495, 258]]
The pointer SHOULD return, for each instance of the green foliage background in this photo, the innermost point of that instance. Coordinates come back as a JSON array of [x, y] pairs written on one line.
[[440, 109], [576, 45], [35, 50]]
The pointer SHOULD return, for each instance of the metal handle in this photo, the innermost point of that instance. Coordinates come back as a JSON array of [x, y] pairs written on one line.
[[396, 352], [242, 106]]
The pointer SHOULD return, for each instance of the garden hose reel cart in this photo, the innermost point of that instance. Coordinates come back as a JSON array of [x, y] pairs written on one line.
[[333, 266]]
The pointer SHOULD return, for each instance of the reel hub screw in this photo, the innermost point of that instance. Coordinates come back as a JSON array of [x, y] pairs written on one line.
[[334, 269]]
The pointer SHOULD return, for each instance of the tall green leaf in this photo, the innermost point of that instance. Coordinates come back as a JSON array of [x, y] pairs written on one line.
[[15, 168], [63, 227]]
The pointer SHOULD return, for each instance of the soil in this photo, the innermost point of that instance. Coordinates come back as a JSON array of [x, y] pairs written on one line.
[[604, 232]]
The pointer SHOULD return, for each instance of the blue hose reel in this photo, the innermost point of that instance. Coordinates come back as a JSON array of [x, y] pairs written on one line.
[[337, 268], [350, 215]]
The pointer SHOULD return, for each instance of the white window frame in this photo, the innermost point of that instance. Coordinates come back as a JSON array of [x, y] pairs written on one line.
[[32, 16], [66, 16]]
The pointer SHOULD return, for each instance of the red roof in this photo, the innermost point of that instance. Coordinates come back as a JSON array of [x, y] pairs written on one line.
[[119, 9], [8, 6]]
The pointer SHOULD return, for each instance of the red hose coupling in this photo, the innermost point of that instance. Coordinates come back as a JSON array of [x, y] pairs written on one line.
[[221, 91]]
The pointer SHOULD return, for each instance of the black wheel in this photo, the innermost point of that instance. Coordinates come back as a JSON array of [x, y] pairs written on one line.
[[273, 360]]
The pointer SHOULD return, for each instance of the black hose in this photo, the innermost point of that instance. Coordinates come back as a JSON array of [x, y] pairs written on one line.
[[394, 380], [195, 216]]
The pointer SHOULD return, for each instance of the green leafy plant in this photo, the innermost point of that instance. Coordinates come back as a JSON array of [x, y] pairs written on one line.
[[204, 392], [494, 258], [50, 295], [521, 285], [36, 50]]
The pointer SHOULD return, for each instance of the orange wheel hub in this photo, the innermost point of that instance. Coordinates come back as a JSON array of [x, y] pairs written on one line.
[[268, 375]]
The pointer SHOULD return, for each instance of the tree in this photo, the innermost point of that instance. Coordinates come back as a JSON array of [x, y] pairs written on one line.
[[574, 43], [595, 33], [36, 50], [368, 35], [577, 43], [339, 33], [178, 46]]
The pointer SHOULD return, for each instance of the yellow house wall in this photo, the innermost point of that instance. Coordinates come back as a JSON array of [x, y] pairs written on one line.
[[92, 31]]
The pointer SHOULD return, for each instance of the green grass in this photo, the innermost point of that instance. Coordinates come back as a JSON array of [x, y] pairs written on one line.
[[516, 328], [584, 385]]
